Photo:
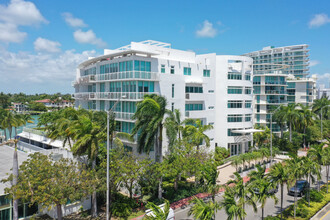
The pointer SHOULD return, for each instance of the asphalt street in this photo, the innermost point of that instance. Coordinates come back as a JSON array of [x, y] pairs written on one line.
[[270, 208]]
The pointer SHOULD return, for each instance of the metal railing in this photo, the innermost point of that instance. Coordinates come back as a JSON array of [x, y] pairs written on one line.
[[131, 75], [112, 95], [34, 131]]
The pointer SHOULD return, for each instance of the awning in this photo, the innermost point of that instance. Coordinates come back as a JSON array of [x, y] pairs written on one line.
[[246, 131]]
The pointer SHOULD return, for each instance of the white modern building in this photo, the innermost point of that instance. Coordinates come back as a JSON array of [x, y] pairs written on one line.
[[323, 92], [280, 77], [215, 89]]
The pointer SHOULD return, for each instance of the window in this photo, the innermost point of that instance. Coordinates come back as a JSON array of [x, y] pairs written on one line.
[[194, 89], [172, 107], [235, 90], [230, 133], [206, 73], [234, 76], [234, 118], [234, 104], [248, 90], [248, 104], [193, 107], [172, 90], [256, 80], [256, 90], [138, 66], [187, 71], [248, 117], [172, 69], [211, 91], [211, 107], [247, 77], [162, 69]]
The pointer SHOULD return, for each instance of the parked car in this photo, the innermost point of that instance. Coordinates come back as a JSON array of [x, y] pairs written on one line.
[[299, 188], [271, 191], [170, 213]]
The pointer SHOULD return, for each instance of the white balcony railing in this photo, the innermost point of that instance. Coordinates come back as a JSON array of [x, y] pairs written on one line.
[[131, 75], [111, 95]]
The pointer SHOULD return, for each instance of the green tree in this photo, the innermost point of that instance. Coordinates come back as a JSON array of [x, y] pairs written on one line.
[[149, 116], [203, 211], [318, 104], [278, 174], [326, 162], [8, 122], [37, 106], [315, 154], [261, 138], [157, 212], [310, 169], [306, 119], [292, 117], [280, 118], [88, 135], [174, 127], [194, 133], [4, 100], [233, 208], [49, 183]]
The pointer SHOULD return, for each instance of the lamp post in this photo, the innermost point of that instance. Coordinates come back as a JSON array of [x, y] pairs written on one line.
[[271, 135], [108, 148], [322, 119]]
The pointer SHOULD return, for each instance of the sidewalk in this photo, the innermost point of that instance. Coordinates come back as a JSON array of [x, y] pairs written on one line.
[[324, 214]]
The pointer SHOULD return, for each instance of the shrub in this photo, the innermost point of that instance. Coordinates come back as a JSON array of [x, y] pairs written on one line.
[[272, 218], [315, 196]]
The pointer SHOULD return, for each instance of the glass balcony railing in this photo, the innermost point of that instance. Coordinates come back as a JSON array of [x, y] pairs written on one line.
[[111, 95]]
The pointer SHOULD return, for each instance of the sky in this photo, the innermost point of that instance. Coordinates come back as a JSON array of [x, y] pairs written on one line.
[[43, 41]]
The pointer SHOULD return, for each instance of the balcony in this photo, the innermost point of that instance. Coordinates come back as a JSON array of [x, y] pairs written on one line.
[[124, 115], [195, 96], [118, 76], [111, 95]]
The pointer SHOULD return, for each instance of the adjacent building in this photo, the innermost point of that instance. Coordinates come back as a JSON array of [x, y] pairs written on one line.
[[323, 92], [280, 77], [216, 89]]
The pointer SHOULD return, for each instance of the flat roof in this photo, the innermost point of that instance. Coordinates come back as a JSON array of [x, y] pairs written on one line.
[[6, 163]]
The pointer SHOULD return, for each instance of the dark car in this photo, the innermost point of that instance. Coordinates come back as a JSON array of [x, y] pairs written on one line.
[[300, 188], [271, 191]]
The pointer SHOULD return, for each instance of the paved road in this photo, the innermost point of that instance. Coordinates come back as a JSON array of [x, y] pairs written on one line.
[[270, 207]]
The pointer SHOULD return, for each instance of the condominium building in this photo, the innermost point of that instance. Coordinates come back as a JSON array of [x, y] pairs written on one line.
[[323, 92], [280, 77], [215, 89]]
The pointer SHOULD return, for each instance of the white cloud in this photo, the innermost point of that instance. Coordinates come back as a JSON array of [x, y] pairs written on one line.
[[88, 37], [314, 63], [10, 33], [42, 44], [318, 20], [32, 71], [18, 13], [207, 30], [323, 79], [72, 21]]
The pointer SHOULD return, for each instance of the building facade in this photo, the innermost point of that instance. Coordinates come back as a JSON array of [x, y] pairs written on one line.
[[323, 92], [280, 77], [215, 89]]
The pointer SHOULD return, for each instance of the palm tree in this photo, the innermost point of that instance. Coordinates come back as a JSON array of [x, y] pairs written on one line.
[[88, 135], [310, 169], [149, 124], [233, 209], [306, 119], [264, 186], [295, 172], [260, 173], [279, 118], [203, 211], [278, 174], [315, 153], [174, 126], [320, 103], [157, 212], [291, 116], [194, 133], [15, 178], [326, 161], [9, 121], [243, 192], [236, 161]]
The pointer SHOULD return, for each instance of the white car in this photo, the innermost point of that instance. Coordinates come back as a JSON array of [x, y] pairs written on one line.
[[170, 213]]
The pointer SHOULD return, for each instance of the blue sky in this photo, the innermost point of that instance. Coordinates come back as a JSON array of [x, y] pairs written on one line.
[[42, 41]]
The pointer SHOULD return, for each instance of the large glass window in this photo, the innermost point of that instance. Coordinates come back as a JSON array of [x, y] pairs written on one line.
[[187, 71], [206, 73], [234, 76], [194, 89], [248, 104], [235, 90], [256, 90], [142, 66], [193, 107], [248, 90], [162, 69], [234, 118], [230, 133], [172, 69], [248, 117], [235, 104]]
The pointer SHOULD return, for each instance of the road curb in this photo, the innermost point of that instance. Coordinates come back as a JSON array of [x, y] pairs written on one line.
[[316, 217]]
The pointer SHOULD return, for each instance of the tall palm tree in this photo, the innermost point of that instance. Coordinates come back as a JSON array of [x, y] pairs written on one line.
[[318, 104], [260, 173], [279, 118], [315, 153], [306, 119], [326, 161], [243, 192], [194, 133], [233, 208], [202, 210], [14, 182], [149, 116], [9, 121], [290, 115], [174, 126], [295, 172], [278, 174], [88, 135], [310, 169]]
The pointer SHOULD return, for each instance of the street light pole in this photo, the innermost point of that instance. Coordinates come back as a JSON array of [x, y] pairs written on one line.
[[271, 135], [322, 119], [108, 158]]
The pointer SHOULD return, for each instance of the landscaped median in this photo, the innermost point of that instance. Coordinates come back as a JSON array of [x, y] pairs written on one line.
[[317, 201]]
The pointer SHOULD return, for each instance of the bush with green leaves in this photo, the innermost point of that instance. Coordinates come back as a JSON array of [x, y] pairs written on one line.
[[315, 196]]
